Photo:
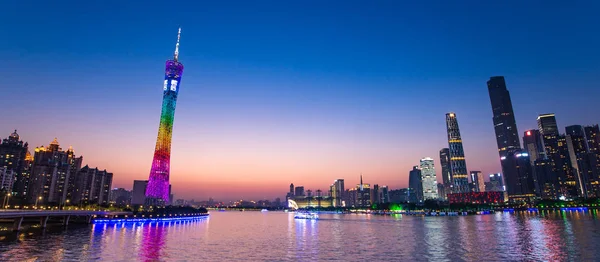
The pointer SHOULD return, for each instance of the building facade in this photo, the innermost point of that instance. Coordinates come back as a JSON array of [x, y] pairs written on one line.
[[428, 179], [93, 186], [491, 197], [446, 171], [477, 181], [458, 165], [415, 185], [13, 154], [52, 173]]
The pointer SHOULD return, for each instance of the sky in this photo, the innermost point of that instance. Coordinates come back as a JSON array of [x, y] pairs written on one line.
[[280, 92]]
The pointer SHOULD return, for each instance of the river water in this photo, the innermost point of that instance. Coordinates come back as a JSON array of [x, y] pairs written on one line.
[[277, 236]]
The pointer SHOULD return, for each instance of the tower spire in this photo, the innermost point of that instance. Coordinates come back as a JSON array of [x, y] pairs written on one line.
[[176, 56]]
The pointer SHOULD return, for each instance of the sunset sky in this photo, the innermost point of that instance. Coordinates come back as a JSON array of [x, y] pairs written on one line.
[[304, 91]]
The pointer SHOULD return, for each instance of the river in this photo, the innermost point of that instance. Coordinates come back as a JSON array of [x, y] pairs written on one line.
[[277, 236]]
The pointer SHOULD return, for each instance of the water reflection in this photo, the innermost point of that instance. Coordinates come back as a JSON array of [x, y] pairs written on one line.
[[275, 236]]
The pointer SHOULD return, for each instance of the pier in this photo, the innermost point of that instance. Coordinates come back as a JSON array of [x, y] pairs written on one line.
[[18, 216]]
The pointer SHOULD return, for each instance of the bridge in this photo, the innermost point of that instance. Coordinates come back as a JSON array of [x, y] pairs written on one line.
[[18, 216]]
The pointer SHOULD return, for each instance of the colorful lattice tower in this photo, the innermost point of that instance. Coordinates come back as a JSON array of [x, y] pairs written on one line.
[[157, 192]]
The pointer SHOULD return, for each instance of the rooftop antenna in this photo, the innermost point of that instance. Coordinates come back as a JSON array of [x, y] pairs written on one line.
[[177, 45]]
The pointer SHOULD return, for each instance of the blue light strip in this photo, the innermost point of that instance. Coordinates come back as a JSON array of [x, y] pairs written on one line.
[[134, 220]]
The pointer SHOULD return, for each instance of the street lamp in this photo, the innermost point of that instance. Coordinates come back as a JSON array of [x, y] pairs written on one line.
[[36, 201]]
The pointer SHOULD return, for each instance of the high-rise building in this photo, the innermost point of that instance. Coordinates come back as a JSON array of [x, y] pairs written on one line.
[[503, 117], [546, 180], [299, 191], [547, 124], [157, 192], [337, 192], [532, 143], [477, 181], [592, 134], [52, 171], [568, 176], [363, 194], [120, 196], [446, 171], [415, 185], [496, 183], [375, 197], [458, 165], [7, 179], [556, 150], [583, 161], [520, 185], [428, 178], [385, 195], [138, 194], [13, 154], [441, 191], [93, 186]]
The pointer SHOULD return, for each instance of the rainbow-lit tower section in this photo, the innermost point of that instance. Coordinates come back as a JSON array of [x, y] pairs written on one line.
[[157, 192]]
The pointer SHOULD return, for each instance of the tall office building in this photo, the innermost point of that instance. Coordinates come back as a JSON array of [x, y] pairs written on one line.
[[458, 165], [157, 192], [384, 195], [446, 171], [415, 185], [532, 143], [363, 194], [428, 179], [13, 152], [592, 134], [583, 161], [503, 117], [337, 192], [477, 181], [520, 185], [507, 138], [375, 197], [7, 179], [557, 153]]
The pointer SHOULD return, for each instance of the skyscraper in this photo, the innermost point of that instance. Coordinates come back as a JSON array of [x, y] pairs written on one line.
[[428, 179], [592, 134], [520, 184], [496, 183], [478, 182], [503, 117], [415, 185], [547, 124], [157, 192], [446, 174], [532, 143], [12, 157], [337, 192], [458, 165]]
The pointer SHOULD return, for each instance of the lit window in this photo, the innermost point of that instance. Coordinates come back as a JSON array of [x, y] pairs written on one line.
[[173, 85]]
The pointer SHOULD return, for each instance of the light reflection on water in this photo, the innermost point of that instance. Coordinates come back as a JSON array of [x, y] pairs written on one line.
[[277, 236]]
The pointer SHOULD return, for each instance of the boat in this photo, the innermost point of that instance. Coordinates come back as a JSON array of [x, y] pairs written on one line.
[[264, 210], [312, 216]]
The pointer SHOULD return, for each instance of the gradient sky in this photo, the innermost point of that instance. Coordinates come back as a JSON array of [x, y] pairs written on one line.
[[302, 91]]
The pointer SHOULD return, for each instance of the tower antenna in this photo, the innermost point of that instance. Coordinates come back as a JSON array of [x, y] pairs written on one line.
[[177, 45]]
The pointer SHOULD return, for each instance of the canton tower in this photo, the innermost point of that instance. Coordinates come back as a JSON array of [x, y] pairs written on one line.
[[157, 192]]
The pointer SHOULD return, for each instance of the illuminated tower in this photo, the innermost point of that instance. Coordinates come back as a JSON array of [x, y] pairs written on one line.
[[157, 192], [458, 165]]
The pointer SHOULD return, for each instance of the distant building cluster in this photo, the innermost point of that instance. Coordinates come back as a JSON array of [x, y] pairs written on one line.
[[51, 175], [549, 165]]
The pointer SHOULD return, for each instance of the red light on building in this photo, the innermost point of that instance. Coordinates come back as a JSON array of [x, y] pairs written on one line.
[[528, 133]]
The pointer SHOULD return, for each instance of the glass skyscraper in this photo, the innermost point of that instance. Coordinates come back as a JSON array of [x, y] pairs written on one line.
[[458, 165], [428, 179], [446, 174], [503, 117]]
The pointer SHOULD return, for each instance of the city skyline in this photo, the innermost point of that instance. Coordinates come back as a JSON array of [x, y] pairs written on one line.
[[249, 125]]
